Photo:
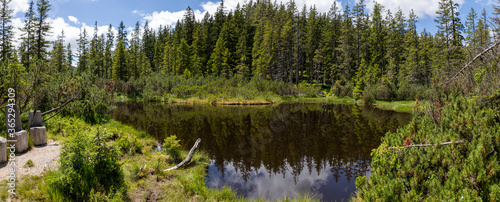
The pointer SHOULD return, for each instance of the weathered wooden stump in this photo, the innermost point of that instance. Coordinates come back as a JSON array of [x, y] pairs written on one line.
[[18, 136], [38, 132], [38, 135], [21, 141], [3, 150]]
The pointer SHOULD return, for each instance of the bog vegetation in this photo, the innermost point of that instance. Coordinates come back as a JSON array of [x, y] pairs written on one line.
[[265, 50]]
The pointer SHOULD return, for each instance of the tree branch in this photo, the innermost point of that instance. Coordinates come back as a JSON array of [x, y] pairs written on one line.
[[429, 145], [65, 103]]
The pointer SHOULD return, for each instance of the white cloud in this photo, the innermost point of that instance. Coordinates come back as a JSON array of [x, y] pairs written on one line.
[[73, 19], [263, 183], [19, 6], [72, 33], [141, 13], [163, 18], [58, 25], [422, 8]]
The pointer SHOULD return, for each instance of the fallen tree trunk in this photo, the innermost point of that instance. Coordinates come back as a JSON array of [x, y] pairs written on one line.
[[188, 158]]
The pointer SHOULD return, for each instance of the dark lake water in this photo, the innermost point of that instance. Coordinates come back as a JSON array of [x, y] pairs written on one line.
[[275, 151]]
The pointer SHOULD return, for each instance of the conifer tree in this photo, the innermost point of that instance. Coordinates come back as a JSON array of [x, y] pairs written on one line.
[[496, 18], [83, 51], [425, 53], [28, 36], [449, 31], [410, 73], [96, 52], [58, 55], [346, 47], [148, 44], [483, 30], [189, 24], [120, 69], [196, 59], [134, 62], [42, 29], [69, 58], [6, 28], [471, 24], [377, 47], [184, 56], [313, 36], [167, 55], [219, 58], [330, 42], [395, 45], [108, 54], [144, 64], [360, 19]]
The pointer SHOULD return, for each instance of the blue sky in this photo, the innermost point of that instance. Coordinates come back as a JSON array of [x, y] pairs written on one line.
[[72, 15]]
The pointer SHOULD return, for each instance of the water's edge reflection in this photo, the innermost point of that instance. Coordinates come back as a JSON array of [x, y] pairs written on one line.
[[274, 151]]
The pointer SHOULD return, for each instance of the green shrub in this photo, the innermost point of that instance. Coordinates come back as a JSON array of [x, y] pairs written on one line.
[[88, 168], [173, 148], [468, 171], [369, 95], [340, 90], [128, 146]]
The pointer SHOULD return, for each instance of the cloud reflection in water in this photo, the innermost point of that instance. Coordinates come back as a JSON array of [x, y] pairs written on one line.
[[273, 186]]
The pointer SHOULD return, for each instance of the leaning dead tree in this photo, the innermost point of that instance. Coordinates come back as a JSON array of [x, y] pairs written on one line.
[[471, 62], [58, 109], [188, 158]]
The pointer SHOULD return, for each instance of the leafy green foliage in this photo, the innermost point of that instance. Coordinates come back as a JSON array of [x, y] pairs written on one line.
[[461, 171]]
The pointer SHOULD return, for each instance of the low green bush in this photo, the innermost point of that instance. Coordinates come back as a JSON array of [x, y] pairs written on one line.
[[128, 145], [468, 171], [369, 94], [88, 168], [172, 147]]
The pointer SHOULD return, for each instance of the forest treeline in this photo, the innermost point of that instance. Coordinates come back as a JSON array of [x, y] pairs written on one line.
[[348, 49]]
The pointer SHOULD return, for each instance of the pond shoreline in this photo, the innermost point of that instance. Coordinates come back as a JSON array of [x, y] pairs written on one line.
[[398, 106]]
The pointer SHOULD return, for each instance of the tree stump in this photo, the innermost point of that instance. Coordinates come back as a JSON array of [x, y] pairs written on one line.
[[38, 132], [3, 150]]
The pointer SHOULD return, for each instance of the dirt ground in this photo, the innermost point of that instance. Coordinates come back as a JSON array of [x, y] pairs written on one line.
[[43, 157]]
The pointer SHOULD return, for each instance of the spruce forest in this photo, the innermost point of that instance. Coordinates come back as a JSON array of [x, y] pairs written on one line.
[[348, 50]]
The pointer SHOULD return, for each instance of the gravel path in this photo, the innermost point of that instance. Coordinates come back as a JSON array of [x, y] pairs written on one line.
[[44, 158]]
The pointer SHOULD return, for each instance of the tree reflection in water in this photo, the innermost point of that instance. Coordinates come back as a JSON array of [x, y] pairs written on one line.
[[286, 141]]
